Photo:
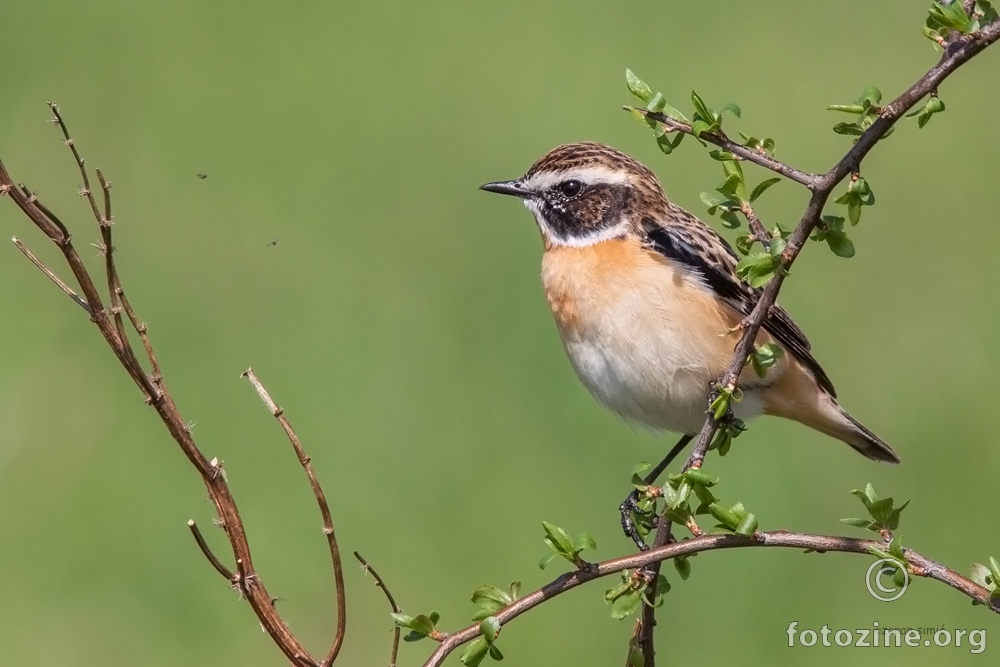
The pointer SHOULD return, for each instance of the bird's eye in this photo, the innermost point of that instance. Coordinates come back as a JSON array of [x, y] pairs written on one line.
[[571, 188]]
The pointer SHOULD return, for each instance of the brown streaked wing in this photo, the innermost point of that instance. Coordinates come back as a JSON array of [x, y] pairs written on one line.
[[697, 246]]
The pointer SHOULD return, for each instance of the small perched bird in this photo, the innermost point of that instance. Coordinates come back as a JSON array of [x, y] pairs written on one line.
[[644, 294]]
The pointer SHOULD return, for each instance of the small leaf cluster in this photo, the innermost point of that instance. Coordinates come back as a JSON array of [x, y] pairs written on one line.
[[704, 121], [678, 492], [988, 577], [832, 231], [420, 626], [933, 105], [492, 599], [722, 398], [882, 516], [733, 190], [896, 557], [483, 646], [945, 18], [734, 518], [560, 544], [656, 103], [858, 194], [764, 357], [865, 107], [635, 589], [757, 268], [708, 120], [725, 434]]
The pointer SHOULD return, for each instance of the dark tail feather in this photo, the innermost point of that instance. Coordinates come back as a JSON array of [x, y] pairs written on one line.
[[868, 443]]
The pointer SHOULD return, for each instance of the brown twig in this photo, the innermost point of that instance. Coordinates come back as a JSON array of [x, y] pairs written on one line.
[[747, 153], [921, 566], [205, 549], [392, 603], [756, 226], [53, 277], [324, 509], [109, 323]]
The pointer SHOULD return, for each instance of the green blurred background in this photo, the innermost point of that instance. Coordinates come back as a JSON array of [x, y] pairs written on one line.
[[400, 322]]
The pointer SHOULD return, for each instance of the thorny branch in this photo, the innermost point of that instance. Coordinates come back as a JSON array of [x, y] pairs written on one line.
[[111, 325]]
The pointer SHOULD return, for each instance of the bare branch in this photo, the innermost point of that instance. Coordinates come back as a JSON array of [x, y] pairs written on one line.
[[324, 509], [719, 139], [205, 549], [52, 276], [392, 603], [108, 322]]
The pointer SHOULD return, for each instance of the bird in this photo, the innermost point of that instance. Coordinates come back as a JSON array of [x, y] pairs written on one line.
[[646, 297]]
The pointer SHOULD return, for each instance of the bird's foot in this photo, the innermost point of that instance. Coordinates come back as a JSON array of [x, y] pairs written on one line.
[[638, 514]]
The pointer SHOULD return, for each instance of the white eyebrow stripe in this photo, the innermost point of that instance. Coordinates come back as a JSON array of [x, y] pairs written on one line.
[[589, 175]]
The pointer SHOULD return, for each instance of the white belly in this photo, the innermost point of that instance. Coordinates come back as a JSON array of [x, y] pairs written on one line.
[[647, 347]]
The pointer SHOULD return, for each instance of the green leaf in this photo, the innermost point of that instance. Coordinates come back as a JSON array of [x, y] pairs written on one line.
[[558, 539], [626, 605], [847, 108], [725, 516], [637, 86], [643, 118], [422, 624], [870, 96], [401, 620], [733, 109], [698, 477], [701, 109], [858, 523], [546, 558], [982, 576], [748, 526], [666, 144], [744, 243], [765, 356], [658, 103], [896, 549], [683, 566], [757, 268], [840, 244], [475, 652], [722, 156], [495, 653], [762, 188], [852, 129], [584, 541], [490, 628], [933, 105], [487, 592], [995, 572], [700, 127]]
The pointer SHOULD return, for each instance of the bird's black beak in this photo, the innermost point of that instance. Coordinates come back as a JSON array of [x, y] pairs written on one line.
[[515, 188]]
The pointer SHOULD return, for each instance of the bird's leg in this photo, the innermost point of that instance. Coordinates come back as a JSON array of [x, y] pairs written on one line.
[[630, 507]]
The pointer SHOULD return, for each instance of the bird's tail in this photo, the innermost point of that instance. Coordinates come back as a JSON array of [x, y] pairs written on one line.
[[807, 404], [834, 421]]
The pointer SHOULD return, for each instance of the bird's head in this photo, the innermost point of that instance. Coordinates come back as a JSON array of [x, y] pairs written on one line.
[[584, 193]]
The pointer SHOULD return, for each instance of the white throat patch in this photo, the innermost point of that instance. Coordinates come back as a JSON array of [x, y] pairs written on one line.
[[605, 234]]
